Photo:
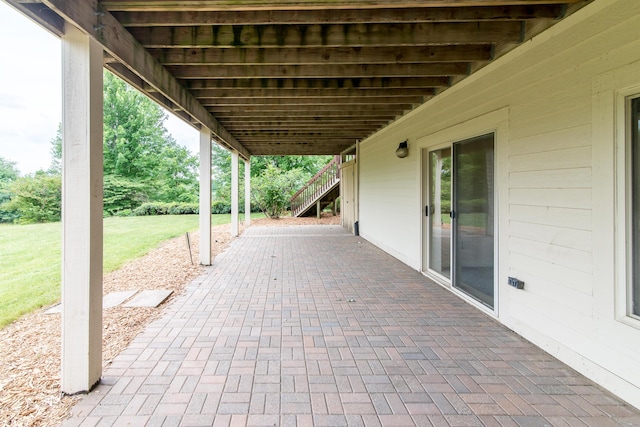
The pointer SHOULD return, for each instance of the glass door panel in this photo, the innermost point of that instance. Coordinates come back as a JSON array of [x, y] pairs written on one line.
[[635, 213], [439, 208], [473, 217]]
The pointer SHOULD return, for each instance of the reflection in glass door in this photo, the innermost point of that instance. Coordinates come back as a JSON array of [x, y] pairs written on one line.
[[473, 218], [460, 216], [439, 208]]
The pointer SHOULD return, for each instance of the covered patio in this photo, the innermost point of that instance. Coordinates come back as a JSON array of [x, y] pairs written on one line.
[[318, 326], [311, 325]]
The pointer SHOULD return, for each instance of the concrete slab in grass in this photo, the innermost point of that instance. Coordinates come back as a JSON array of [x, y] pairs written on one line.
[[54, 309], [112, 299], [116, 298], [151, 298]]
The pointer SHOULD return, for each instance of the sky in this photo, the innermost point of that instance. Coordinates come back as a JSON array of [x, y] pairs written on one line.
[[31, 94]]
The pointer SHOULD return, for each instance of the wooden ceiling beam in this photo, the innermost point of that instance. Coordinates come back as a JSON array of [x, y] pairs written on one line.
[[300, 140], [339, 35], [236, 124], [315, 72], [287, 135], [269, 102], [41, 14], [250, 116], [299, 5], [203, 94], [330, 132], [340, 16], [277, 124], [300, 149], [340, 132], [121, 45], [326, 83], [339, 127], [244, 123], [377, 109], [322, 55]]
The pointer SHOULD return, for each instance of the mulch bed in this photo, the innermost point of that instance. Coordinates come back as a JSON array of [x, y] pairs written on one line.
[[30, 357]]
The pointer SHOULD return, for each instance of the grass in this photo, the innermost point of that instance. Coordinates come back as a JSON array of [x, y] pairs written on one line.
[[469, 220], [30, 255]]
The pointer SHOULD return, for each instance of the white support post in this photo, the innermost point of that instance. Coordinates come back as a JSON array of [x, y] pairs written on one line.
[[81, 212], [235, 214], [247, 192], [205, 196]]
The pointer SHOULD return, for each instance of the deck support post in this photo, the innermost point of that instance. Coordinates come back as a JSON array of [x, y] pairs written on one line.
[[205, 196], [247, 192], [318, 209], [81, 211], [235, 214]]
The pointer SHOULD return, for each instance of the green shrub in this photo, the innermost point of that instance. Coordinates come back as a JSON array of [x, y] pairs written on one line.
[[7, 214], [159, 208], [36, 198], [184, 209], [220, 207], [122, 194], [124, 212], [272, 190]]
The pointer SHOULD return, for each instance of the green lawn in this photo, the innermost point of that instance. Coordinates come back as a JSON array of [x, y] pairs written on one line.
[[30, 255], [470, 219]]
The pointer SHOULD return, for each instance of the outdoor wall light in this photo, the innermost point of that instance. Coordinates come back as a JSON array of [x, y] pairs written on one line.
[[403, 150]]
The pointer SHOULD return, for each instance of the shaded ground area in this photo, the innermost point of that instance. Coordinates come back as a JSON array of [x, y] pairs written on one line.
[[301, 326], [30, 356]]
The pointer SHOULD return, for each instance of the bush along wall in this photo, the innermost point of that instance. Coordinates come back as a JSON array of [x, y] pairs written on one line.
[[159, 208]]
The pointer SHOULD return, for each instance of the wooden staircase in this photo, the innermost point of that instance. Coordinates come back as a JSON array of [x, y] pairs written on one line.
[[321, 190]]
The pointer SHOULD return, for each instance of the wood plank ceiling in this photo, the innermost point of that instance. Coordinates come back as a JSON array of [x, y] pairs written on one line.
[[303, 76]]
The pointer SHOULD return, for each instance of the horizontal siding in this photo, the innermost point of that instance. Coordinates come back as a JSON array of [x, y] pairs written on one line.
[[569, 158], [557, 255], [548, 179], [549, 318], [568, 218], [556, 295], [572, 137], [522, 265], [389, 224], [579, 198], [554, 235]]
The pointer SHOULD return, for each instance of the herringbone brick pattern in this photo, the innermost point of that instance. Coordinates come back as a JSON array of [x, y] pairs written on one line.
[[310, 326]]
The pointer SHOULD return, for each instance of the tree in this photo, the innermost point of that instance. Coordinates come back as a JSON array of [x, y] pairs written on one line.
[[221, 180], [273, 188], [177, 174], [138, 148], [134, 132], [8, 170], [121, 194], [8, 174], [36, 198], [142, 162], [307, 166], [55, 150]]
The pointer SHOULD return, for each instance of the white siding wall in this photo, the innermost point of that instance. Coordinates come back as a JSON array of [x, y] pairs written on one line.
[[556, 185]]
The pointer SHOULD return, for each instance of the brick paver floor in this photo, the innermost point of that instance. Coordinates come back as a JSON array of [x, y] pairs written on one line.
[[302, 326]]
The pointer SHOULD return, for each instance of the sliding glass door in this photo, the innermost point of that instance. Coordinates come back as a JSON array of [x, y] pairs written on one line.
[[473, 218], [439, 215], [460, 216]]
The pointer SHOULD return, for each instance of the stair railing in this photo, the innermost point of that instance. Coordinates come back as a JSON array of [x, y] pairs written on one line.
[[316, 187]]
